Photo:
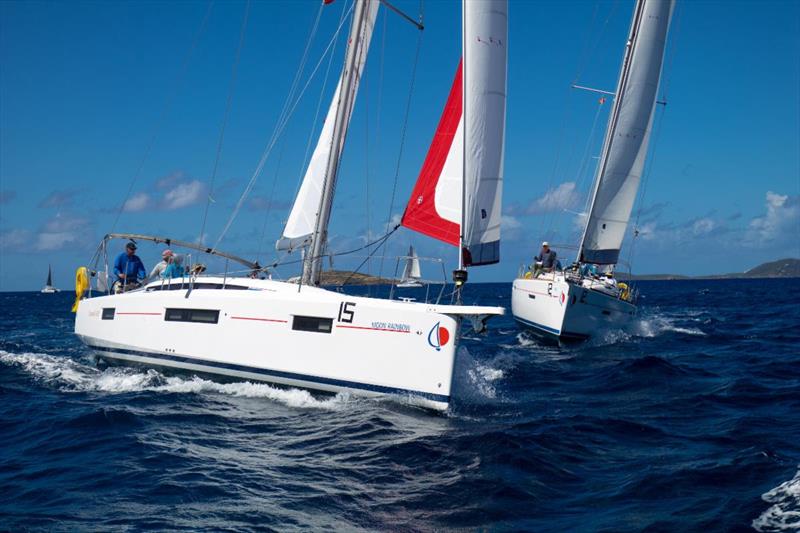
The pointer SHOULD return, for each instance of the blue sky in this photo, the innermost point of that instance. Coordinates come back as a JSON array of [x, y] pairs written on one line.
[[84, 87]]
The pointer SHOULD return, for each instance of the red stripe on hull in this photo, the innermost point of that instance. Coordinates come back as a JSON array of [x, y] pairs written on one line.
[[259, 319], [420, 214]]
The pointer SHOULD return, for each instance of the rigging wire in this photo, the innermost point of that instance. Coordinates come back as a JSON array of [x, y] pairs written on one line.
[[280, 126], [312, 129], [177, 83], [269, 201], [226, 115], [548, 220], [403, 131], [377, 143], [583, 170]]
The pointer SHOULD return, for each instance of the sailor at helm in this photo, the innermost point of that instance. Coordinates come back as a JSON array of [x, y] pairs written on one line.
[[546, 260]]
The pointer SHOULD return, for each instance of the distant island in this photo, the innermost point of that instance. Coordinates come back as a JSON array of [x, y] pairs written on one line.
[[338, 278], [782, 268]]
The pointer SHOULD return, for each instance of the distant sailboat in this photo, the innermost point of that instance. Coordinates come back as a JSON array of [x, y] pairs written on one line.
[[411, 272], [48, 287]]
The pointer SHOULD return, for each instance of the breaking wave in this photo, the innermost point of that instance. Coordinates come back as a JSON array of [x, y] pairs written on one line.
[[70, 375], [655, 325], [784, 514]]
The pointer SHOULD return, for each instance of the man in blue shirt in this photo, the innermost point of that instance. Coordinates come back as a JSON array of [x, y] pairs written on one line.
[[128, 268]]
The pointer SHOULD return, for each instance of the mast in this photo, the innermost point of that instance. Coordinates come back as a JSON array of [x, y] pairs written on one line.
[[49, 276], [313, 266], [461, 267], [612, 120], [622, 161]]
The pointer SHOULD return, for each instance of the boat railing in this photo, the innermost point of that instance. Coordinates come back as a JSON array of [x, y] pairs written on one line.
[[425, 283]]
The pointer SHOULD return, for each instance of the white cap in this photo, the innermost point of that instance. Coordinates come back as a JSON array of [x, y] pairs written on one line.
[[545, 243]]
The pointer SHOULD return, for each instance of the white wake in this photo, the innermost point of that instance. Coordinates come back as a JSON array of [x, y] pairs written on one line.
[[784, 514], [70, 375]]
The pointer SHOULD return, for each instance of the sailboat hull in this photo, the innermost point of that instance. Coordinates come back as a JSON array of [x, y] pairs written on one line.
[[269, 331], [554, 307]]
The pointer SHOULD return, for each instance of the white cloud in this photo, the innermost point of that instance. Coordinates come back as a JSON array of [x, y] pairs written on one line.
[[15, 239], [782, 219], [648, 231], [703, 226], [137, 202], [508, 222], [170, 180], [510, 227], [183, 195], [62, 231], [557, 199]]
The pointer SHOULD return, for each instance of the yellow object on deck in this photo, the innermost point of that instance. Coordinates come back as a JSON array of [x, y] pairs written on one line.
[[625, 291], [81, 284]]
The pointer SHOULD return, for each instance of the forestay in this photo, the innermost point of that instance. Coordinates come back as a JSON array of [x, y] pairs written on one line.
[[300, 225], [457, 197], [627, 136]]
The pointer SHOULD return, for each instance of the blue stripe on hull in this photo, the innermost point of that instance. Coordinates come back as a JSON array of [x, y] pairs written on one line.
[[551, 331], [277, 373]]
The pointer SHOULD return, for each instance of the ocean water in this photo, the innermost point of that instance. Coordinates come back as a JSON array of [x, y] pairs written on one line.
[[687, 420]]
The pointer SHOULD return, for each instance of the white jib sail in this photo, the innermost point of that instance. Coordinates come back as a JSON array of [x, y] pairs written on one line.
[[485, 65], [300, 224], [627, 140], [412, 270]]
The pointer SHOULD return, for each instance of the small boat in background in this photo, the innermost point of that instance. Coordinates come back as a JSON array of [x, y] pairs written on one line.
[[48, 287], [411, 272]]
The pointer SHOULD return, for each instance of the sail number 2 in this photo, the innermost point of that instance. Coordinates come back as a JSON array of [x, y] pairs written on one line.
[[347, 312]]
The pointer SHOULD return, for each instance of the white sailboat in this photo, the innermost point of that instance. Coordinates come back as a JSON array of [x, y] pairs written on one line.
[[574, 303], [300, 334], [48, 287], [411, 271]]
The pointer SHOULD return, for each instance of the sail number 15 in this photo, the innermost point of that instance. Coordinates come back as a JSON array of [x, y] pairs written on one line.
[[347, 312]]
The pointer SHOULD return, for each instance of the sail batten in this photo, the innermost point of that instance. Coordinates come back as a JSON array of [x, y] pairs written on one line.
[[627, 135]]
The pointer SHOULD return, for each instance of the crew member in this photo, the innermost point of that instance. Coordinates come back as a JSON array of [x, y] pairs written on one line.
[[161, 266], [546, 260], [128, 268]]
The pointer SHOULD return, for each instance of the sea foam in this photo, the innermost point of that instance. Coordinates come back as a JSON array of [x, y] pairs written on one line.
[[784, 514], [70, 375]]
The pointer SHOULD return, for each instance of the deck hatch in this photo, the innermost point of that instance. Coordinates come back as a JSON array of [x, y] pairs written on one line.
[[204, 316], [312, 323]]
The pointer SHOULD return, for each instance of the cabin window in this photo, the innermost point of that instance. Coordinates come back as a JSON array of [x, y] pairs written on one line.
[[205, 316], [312, 323], [108, 313]]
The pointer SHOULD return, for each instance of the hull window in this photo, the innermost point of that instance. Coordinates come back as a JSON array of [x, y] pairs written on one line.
[[108, 313], [205, 316], [312, 323]]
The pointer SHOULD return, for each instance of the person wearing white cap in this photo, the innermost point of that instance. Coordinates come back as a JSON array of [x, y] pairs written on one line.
[[546, 260], [161, 266]]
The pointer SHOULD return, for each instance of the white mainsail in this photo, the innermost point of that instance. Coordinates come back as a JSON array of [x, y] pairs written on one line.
[[628, 133], [301, 221], [457, 198]]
